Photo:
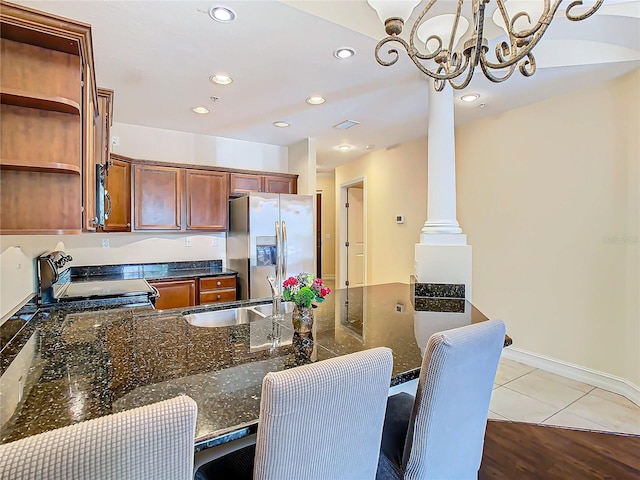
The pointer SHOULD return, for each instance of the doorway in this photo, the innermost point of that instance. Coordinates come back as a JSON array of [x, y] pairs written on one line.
[[319, 235], [353, 234]]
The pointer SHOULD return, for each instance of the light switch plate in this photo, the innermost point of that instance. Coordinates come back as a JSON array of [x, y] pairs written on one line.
[[105, 243], [214, 241]]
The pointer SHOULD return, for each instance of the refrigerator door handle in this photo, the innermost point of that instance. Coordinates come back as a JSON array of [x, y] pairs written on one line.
[[284, 249], [278, 257]]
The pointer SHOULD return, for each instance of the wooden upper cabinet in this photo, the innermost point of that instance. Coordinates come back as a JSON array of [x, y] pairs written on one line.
[[207, 200], [275, 184], [241, 183], [157, 199], [118, 196], [245, 182], [46, 89], [105, 120]]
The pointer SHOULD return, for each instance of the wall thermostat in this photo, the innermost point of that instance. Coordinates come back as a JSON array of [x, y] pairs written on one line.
[[399, 218]]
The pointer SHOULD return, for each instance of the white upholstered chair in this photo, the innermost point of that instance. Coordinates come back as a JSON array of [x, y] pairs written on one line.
[[320, 421], [440, 434], [151, 442]]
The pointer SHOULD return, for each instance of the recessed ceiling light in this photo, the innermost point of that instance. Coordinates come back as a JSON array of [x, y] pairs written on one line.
[[344, 148], [281, 124], [200, 110], [222, 14], [470, 97], [344, 52], [315, 100], [221, 79]]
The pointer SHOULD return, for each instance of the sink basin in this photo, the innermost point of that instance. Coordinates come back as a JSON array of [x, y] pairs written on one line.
[[233, 316], [265, 309], [223, 318]]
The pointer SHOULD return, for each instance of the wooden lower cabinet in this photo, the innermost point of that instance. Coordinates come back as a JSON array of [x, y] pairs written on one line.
[[175, 293], [194, 291], [217, 289]]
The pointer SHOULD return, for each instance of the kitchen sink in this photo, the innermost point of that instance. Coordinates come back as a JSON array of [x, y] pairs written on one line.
[[265, 309], [232, 316], [223, 318]]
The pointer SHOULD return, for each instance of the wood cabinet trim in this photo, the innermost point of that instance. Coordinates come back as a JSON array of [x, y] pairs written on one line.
[[190, 166]]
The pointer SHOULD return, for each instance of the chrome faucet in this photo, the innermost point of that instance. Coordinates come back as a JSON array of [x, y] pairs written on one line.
[[276, 298]]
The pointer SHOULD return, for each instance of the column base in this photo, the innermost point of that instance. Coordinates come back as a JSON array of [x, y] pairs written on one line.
[[443, 239], [444, 264]]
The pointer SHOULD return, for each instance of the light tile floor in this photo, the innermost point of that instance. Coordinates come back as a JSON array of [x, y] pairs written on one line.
[[525, 394]]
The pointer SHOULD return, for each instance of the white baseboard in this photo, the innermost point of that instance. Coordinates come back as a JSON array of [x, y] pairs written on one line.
[[575, 372]]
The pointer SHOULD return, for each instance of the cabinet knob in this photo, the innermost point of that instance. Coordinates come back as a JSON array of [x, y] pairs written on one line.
[[219, 283], [219, 297], [128, 225]]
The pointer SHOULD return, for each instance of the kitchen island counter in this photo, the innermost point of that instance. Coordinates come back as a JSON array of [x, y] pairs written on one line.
[[86, 364]]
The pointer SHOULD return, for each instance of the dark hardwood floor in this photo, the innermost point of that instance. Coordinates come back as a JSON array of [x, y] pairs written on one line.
[[521, 451]]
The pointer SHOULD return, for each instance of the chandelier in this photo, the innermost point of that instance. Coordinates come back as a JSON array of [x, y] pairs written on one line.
[[441, 56]]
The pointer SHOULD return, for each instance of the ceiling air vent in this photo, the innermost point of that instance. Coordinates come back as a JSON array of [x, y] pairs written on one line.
[[346, 124]]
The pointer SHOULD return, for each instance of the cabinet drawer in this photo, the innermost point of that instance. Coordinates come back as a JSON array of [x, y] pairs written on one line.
[[217, 296], [213, 283]]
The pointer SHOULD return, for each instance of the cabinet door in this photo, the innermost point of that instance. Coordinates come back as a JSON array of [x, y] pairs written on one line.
[[207, 200], [118, 196], [245, 183], [157, 198], [175, 293], [89, 187], [274, 184]]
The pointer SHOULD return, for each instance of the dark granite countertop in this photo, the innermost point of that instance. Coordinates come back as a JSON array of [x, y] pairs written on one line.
[[89, 363], [151, 271]]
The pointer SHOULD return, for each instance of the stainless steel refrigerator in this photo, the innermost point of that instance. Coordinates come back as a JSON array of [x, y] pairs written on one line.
[[270, 234]]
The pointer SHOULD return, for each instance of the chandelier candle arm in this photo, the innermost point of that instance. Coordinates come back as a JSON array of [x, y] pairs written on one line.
[[448, 61]]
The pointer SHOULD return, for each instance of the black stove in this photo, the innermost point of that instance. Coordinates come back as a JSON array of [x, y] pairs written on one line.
[[56, 286]]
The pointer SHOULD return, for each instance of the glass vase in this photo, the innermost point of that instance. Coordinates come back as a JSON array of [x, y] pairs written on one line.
[[302, 319]]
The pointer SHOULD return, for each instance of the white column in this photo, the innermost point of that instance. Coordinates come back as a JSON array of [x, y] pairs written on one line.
[[441, 190], [442, 256]]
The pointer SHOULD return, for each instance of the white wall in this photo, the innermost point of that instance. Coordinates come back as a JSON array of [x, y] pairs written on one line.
[[548, 196], [146, 143], [325, 184], [302, 161], [395, 184]]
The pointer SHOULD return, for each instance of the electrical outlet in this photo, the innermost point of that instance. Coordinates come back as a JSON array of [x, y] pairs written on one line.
[[187, 242], [105, 243], [214, 241]]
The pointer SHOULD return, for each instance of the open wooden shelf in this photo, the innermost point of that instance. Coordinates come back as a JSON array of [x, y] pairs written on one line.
[[37, 166], [22, 98]]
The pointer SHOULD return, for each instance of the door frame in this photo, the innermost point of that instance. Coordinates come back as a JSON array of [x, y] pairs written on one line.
[[342, 230]]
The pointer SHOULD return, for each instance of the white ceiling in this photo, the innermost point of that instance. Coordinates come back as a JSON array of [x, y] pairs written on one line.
[[158, 56]]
